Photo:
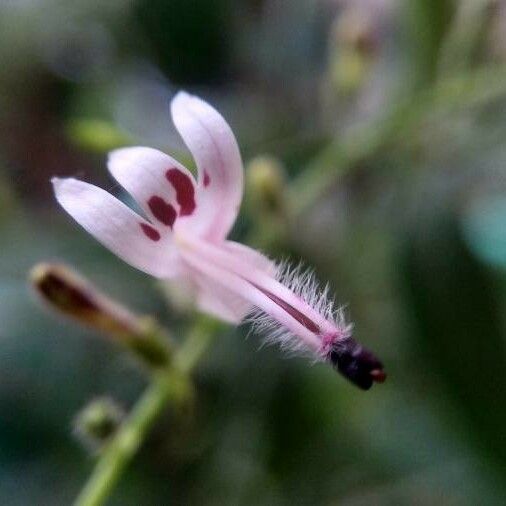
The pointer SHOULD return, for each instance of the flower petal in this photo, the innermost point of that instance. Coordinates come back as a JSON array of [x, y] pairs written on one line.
[[216, 153], [191, 288], [266, 301], [125, 233], [220, 302], [252, 256], [162, 187]]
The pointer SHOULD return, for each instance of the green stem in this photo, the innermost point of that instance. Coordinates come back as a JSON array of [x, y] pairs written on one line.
[[346, 153], [168, 385]]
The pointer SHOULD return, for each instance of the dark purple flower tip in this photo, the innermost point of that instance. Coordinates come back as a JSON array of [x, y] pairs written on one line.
[[357, 364]]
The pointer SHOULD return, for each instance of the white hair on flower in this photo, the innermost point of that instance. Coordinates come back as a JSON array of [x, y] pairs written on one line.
[[184, 238], [302, 281]]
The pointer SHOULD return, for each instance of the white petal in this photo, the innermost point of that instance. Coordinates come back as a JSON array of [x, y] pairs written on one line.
[[268, 301], [193, 289], [146, 174], [216, 153], [220, 302], [117, 227], [251, 256]]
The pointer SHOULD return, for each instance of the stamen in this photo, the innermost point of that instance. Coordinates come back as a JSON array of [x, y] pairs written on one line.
[[185, 192]]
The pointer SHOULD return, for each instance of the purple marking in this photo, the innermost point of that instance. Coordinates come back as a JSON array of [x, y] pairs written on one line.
[[162, 211], [185, 192], [207, 179], [150, 232]]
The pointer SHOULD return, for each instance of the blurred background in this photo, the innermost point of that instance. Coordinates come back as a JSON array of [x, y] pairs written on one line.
[[373, 134]]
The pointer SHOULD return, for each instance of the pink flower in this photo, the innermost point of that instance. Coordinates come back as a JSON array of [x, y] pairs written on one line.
[[184, 238]]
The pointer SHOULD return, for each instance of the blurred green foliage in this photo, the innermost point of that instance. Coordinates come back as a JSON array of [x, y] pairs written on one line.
[[96, 135], [395, 193]]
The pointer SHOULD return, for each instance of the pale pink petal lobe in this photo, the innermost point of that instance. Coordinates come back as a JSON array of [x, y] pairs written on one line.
[[216, 153], [251, 256], [143, 173], [124, 232], [220, 302]]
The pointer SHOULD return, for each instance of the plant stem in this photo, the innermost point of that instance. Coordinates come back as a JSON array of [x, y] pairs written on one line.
[[171, 384], [127, 441], [346, 153]]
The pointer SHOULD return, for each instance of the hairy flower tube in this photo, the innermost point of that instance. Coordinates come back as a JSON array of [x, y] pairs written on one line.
[[183, 237]]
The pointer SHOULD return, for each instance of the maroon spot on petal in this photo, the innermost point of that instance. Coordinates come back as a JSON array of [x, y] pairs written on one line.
[[162, 211], [185, 192], [150, 232], [207, 179]]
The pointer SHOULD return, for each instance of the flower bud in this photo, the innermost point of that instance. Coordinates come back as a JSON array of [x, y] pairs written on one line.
[[97, 422], [356, 37], [265, 178], [75, 297], [70, 294]]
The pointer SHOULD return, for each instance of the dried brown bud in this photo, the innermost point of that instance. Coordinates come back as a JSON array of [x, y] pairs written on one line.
[[70, 294]]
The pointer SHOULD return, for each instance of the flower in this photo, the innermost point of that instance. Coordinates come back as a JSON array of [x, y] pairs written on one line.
[[184, 238]]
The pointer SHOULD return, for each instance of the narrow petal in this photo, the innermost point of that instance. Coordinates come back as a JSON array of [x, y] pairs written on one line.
[[251, 256], [220, 302], [216, 300], [263, 278], [138, 242], [216, 153], [192, 289], [226, 279], [223, 303], [162, 187]]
